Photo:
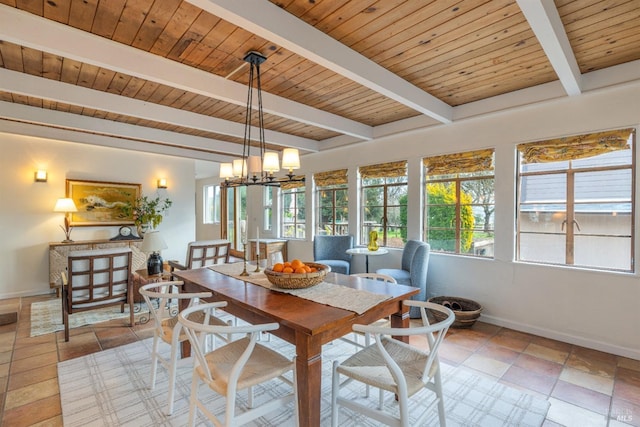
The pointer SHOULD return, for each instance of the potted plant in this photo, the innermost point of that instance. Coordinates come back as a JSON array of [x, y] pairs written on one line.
[[146, 212]]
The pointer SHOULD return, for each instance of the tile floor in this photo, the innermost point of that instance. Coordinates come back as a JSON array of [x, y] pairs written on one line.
[[585, 387]]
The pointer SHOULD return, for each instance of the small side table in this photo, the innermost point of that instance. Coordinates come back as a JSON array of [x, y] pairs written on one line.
[[366, 252], [141, 278]]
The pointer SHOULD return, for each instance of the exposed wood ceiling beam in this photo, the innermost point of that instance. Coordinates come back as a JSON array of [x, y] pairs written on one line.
[[273, 23], [546, 24], [17, 27], [13, 81], [153, 140]]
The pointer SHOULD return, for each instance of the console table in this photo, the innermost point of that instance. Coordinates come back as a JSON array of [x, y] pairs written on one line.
[[59, 251], [268, 247]]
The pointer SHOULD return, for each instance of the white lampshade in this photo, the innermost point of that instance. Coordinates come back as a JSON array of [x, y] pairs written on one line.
[[271, 163], [226, 170], [239, 167], [290, 158], [153, 242], [65, 205], [254, 165]]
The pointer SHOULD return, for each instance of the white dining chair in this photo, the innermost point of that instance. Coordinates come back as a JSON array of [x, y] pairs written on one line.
[[239, 365], [162, 299], [394, 366]]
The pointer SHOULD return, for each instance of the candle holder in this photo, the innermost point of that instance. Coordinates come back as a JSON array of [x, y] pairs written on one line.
[[244, 271], [257, 270]]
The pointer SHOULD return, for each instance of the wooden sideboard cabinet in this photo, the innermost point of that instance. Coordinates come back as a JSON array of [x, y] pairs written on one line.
[[59, 251], [267, 247]]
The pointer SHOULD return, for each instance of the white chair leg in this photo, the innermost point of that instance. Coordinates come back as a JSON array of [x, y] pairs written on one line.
[[154, 360], [172, 377], [335, 386], [192, 399], [438, 387]]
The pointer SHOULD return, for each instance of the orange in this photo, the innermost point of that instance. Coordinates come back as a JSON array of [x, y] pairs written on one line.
[[296, 263], [307, 269], [278, 267], [300, 270], [287, 264], [287, 270]]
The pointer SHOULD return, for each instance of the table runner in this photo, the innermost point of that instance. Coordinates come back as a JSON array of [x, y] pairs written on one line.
[[339, 296]]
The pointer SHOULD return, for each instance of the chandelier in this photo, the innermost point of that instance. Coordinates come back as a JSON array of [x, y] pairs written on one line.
[[258, 169]]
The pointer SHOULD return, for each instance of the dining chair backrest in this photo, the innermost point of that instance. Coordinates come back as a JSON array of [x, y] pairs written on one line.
[[96, 279]]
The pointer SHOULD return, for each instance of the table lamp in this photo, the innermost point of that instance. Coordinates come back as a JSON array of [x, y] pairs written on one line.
[[153, 243], [67, 206]]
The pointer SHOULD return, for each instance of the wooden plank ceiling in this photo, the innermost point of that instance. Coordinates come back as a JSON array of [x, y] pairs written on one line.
[[336, 72]]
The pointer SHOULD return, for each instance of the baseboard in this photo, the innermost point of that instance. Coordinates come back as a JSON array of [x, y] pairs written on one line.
[[560, 336]]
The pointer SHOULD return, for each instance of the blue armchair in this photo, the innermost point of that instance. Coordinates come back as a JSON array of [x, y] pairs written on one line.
[[332, 251], [413, 270]]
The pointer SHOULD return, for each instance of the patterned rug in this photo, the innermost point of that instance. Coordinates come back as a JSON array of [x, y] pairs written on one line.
[[110, 388], [46, 317]]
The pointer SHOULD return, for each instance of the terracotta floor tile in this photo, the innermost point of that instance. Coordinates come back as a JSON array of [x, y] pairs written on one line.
[[45, 359], [593, 366], [539, 365], [583, 397], [558, 356], [31, 393], [489, 366], [5, 356], [467, 341], [120, 337], [34, 350], [512, 343], [35, 412], [453, 354], [584, 379], [627, 386], [33, 376], [498, 352], [553, 344], [7, 339], [627, 363], [40, 339], [540, 383], [55, 421], [11, 327]]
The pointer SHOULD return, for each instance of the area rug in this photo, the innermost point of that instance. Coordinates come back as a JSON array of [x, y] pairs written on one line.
[[46, 317], [111, 388]]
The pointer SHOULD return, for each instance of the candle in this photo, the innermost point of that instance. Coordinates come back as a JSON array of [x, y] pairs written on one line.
[[243, 226], [258, 242]]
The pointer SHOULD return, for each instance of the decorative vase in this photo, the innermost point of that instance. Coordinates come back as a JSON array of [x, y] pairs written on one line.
[[373, 241], [143, 228]]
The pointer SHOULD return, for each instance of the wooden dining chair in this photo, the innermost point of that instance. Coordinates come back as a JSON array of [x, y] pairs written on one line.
[[202, 253], [239, 365], [394, 366], [97, 279]]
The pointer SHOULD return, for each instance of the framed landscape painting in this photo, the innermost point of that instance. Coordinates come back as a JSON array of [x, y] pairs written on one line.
[[100, 203]]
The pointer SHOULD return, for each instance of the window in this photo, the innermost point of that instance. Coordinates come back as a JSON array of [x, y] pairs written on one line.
[[235, 209], [332, 202], [293, 210], [211, 204], [384, 203], [460, 203], [575, 201], [267, 207]]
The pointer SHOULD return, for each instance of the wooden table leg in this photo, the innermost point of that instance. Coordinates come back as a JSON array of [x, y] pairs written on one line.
[[401, 319], [309, 376]]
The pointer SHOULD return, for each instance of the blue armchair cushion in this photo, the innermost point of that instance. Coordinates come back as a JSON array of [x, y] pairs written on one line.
[[416, 255], [332, 251]]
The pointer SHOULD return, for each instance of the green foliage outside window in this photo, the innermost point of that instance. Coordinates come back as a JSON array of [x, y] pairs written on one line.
[[442, 218]]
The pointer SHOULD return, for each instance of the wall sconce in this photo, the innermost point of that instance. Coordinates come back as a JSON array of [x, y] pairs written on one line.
[[40, 176], [162, 183]]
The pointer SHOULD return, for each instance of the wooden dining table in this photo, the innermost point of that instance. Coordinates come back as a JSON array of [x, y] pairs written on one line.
[[304, 323]]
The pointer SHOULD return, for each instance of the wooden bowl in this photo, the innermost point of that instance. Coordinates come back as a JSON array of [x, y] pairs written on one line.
[[298, 280]]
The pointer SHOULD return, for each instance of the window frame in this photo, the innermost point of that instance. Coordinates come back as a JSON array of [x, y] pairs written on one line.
[[299, 224]]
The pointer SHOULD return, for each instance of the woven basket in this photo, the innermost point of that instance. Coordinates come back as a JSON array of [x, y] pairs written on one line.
[[466, 315], [298, 280]]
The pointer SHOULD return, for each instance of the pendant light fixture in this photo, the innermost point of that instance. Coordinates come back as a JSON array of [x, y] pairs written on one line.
[[258, 169]]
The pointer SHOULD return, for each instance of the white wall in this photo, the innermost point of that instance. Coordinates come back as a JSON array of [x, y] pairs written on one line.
[[27, 220], [595, 309]]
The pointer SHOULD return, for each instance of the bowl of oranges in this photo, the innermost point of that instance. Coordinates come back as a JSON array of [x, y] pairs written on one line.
[[296, 274]]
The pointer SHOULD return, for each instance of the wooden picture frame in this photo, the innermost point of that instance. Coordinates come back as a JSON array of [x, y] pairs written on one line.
[[99, 202]]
